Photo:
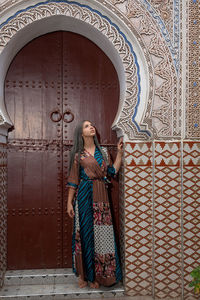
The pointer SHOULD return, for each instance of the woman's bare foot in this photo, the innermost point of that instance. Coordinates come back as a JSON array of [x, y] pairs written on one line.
[[94, 285], [82, 283]]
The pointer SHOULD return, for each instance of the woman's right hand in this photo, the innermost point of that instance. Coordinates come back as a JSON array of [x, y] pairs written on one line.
[[70, 210]]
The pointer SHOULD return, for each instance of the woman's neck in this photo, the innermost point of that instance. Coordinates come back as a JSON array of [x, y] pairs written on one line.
[[89, 143]]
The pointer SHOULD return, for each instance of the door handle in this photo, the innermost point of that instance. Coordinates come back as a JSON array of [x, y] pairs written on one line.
[[55, 115], [68, 116]]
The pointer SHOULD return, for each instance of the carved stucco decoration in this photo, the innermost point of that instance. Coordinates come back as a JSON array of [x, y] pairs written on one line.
[[171, 13], [166, 14], [165, 112], [164, 8], [166, 104], [6, 4]]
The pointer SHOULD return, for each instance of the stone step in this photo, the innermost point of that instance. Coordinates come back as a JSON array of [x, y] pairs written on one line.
[[58, 291], [40, 276], [54, 284]]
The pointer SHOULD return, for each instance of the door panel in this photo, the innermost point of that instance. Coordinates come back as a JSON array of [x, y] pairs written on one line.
[[33, 86], [33, 91], [34, 217], [90, 86], [54, 73]]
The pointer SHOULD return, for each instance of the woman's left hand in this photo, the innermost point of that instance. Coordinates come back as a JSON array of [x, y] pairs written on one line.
[[120, 145], [118, 158]]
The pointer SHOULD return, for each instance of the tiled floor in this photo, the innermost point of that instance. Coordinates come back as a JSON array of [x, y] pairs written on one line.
[[54, 284]]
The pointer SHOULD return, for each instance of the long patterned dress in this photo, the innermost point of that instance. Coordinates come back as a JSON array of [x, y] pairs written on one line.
[[94, 251]]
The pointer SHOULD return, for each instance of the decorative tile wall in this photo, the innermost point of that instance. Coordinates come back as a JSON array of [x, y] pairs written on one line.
[[191, 212], [167, 216], [138, 218], [162, 218], [3, 216]]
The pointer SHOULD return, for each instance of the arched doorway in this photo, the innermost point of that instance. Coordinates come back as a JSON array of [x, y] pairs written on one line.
[[57, 78]]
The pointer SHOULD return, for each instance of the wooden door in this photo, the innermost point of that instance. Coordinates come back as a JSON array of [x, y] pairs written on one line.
[[54, 77]]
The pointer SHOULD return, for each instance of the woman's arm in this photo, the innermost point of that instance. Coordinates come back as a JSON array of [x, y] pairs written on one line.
[[72, 185], [118, 159], [70, 210]]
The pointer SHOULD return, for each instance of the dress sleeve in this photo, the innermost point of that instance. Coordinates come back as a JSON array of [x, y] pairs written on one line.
[[73, 179], [110, 170]]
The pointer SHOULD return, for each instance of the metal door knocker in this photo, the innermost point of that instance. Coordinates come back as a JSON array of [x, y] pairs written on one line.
[[56, 116], [68, 116]]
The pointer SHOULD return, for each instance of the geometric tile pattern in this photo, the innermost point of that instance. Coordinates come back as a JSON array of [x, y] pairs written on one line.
[[167, 220], [138, 218], [191, 212], [3, 214], [193, 71]]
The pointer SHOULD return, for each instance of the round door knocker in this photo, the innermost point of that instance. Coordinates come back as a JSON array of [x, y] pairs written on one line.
[[56, 116], [68, 116]]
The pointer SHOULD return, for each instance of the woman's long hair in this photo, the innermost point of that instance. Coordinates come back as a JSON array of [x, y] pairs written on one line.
[[78, 145]]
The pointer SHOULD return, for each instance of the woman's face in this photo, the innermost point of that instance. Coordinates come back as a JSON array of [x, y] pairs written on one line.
[[88, 129]]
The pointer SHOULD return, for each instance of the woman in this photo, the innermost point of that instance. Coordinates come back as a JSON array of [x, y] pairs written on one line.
[[94, 252]]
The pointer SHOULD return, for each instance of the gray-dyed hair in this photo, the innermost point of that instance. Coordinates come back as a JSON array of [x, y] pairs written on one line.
[[78, 145]]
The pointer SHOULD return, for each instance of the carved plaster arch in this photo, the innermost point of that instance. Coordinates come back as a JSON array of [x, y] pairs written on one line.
[[125, 122]]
